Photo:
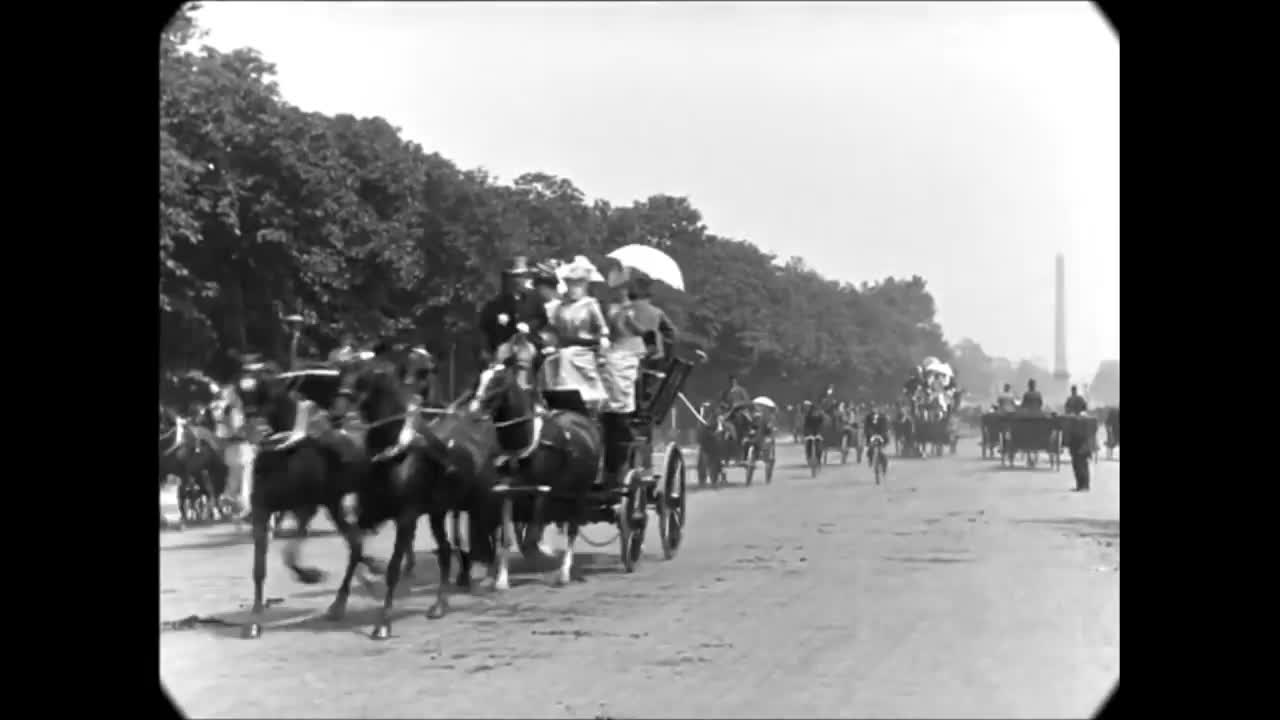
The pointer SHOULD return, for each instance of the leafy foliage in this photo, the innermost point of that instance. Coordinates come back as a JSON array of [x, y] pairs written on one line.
[[267, 210]]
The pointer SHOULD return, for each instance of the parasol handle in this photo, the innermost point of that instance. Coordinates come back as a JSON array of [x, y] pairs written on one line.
[[689, 405]]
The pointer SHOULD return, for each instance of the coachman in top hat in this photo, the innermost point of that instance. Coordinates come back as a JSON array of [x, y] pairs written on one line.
[[516, 309]]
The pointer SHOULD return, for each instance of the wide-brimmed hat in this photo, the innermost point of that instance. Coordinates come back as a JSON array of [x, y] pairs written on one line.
[[519, 267], [580, 270]]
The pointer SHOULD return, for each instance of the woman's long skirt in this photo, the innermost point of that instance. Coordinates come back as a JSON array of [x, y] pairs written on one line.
[[578, 369]]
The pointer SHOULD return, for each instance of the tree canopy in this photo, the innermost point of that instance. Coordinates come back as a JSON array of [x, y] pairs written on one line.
[[267, 210]]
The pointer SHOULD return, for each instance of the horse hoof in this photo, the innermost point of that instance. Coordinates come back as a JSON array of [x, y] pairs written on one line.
[[560, 580], [335, 612], [437, 611], [501, 585], [309, 576], [252, 631], [381, 631]]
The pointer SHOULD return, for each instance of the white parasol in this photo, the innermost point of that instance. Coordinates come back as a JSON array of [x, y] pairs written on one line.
[[652, 262], [766, 402], [940, 368]]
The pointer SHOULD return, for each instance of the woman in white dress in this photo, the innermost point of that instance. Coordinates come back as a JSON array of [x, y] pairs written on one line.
[[580, 328]]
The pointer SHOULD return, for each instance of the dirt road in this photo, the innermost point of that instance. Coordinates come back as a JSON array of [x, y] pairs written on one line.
[[955, 589]]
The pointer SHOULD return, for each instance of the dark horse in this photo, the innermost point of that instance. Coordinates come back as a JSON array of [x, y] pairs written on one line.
[[298, 474], [415, 468], [715, 445], [559, 449]]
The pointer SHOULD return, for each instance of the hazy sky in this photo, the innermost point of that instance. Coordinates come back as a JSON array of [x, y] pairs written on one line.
[[965, 142]]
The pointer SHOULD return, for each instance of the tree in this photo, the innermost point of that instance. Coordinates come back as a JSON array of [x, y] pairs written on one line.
[[267, 210]]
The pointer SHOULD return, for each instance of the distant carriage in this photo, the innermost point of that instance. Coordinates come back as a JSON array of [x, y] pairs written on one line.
[[1028, 434]]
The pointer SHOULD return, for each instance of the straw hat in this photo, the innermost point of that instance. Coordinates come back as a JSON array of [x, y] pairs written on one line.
[[580, 270]]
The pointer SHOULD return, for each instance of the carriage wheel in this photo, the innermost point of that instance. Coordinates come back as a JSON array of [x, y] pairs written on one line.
[[751, 464], [631, 522], [844, 448], [671, 503]]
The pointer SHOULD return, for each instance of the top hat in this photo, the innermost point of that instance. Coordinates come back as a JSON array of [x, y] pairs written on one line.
[[519, 267]]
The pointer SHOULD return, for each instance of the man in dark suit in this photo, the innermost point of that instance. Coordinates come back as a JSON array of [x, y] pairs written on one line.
[[1031, 399], [1076, 404], [515, 310]]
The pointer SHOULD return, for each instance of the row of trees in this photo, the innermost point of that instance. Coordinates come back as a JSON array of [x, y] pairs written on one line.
[[267, 210]]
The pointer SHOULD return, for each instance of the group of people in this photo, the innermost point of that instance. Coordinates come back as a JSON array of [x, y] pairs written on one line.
[[561, 337], [1033, 401]]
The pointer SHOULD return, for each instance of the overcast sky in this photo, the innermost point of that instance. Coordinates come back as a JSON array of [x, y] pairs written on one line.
[[964, 142]]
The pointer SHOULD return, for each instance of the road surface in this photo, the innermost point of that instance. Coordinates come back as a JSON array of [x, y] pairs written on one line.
[[955, 589]]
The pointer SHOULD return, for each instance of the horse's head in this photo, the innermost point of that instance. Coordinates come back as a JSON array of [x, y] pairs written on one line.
[[498, 393], [376, 387]]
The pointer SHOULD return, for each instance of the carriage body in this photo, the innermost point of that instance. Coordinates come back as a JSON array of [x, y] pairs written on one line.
[[937, 433], [838, 434], [660, 487], [1030, 434]]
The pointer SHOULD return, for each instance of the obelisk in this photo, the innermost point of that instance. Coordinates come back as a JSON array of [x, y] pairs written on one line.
[[1060, 372]]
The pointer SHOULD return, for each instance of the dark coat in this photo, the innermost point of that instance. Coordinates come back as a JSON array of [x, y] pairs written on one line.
[[521, 308]]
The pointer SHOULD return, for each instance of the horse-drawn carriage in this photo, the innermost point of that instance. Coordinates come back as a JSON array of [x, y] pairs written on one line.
[[1029, 433], [644, 486], [936, 435], [840, 433], [723, 443]]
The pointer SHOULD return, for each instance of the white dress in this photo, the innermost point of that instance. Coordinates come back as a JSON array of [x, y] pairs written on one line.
[[577, 366]]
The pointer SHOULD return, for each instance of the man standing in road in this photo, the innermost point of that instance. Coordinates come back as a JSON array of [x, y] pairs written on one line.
[[1080, 444]]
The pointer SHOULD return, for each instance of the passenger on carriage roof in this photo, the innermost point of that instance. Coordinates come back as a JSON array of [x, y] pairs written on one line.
[[1076, 404], [1005, 402], [580, 327], [1031, 399]]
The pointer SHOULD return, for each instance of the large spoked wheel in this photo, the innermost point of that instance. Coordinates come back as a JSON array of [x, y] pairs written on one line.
[[844, 448], [751, 463], [631, 522], [671, 502]]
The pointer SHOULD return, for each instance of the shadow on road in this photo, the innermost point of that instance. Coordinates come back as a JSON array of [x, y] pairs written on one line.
[[1084, 527], [413, 595], [233, 537]]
